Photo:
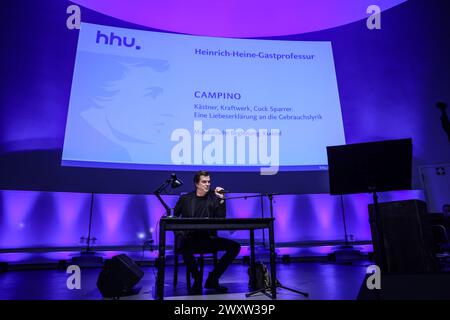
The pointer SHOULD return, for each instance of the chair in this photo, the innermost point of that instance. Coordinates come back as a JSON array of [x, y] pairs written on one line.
[[188, 274], [201, 263]]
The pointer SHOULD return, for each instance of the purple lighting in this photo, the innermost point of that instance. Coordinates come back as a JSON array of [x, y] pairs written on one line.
[[113, 208], [325, 206], [234, 18], [283, 205], [244, 208], [72, 210], [16, 207]]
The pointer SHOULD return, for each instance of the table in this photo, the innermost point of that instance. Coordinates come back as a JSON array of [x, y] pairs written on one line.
[[179, 224]]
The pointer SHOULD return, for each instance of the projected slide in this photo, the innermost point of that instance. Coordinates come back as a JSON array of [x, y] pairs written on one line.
[[149, 100]]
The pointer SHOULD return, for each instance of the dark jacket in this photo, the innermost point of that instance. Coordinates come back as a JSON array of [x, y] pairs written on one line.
[[185, 208]]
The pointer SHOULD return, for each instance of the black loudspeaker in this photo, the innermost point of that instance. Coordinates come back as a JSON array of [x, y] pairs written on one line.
[[405, 238], [431, 286], [119, 276]]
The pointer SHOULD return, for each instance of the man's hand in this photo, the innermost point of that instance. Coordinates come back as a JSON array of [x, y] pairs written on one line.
[[217, 190]]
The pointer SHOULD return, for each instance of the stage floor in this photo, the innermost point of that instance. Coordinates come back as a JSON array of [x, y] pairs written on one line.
[[322, 280]]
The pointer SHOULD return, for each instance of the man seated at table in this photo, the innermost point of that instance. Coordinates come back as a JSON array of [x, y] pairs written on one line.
[[204, 203]]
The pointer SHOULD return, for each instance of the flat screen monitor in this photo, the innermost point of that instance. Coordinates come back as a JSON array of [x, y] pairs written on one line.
[[370, 167]]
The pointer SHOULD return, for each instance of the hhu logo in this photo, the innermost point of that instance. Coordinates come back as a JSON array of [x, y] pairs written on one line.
[[114, 39]]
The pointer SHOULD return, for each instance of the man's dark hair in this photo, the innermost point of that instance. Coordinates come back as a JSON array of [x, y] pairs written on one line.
[[200, 173]]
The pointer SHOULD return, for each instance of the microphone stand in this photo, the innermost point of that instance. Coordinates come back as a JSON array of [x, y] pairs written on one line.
[[88, 241], [346, 252], [380, 256], [88, 257], [277, 283]]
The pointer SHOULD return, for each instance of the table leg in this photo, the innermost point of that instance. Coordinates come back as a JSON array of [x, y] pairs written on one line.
[[272, 261], [252, 258], [161, 262]]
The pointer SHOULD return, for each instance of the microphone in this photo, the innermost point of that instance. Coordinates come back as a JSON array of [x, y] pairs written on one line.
[[223, 191], [174, 182]]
